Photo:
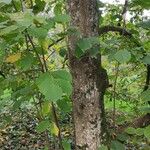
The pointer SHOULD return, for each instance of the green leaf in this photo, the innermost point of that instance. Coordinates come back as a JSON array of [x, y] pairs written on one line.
[[39, 6], [122, 56], [145, 109], [78, 52], [64, 104], [120, 119], [46, 107], [66, 145], [103, 147], [58, 9], [42, 126], [63, 52], [45, 148], [130, 130], [8, 30], [139, 131], [144, 4], [145, 24], [146, 60], [116, 145], [62, 18], [65, 86], [122, 137], [147, 132], [26, 62], [86, 44], [22, 19], [49, 87], [63, 78], [145, 96], [54, 129], [40, 33], [62, 74]]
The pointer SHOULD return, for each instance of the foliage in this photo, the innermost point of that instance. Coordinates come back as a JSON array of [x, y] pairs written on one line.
[[35, 74]]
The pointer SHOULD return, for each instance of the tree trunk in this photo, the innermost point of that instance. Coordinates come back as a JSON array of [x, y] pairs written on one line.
[[89, 78]]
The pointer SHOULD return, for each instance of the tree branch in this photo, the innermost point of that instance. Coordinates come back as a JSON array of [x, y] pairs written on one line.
[[108, 28], [124, 12], [60, 39]]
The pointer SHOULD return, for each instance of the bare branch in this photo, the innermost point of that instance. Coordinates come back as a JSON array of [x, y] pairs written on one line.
[[55, 42], [106, 29]]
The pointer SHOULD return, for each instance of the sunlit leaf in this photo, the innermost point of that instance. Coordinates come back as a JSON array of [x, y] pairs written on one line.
[[8, 30], [13, 58], [130, 130], [46, 108], [139, 131], [103, 147], [122, 56], [58, 9], [54, 129], [22, 19], [66, 145]]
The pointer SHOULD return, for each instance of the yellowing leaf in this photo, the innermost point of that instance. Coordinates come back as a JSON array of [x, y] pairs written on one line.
[[13, 58], [54, 129], [45, 44], [46, 108]]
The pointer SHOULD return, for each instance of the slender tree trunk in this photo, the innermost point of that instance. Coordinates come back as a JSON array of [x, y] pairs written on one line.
[[89, 78]]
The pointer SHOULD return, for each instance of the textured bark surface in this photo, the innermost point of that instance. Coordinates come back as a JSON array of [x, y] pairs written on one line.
[[89, 78]]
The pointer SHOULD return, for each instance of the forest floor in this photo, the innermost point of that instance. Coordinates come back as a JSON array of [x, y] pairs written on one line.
[[19, 132]]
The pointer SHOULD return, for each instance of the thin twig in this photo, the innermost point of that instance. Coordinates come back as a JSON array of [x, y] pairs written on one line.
[[55, 42], [50, 55], [53, 108], [57, 124], [34, 48]]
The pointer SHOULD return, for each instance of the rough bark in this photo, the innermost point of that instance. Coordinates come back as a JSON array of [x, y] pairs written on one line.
[[147, 82], [89, 78]]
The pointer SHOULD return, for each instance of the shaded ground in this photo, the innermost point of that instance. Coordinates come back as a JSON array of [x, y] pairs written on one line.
[[21, 134]]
